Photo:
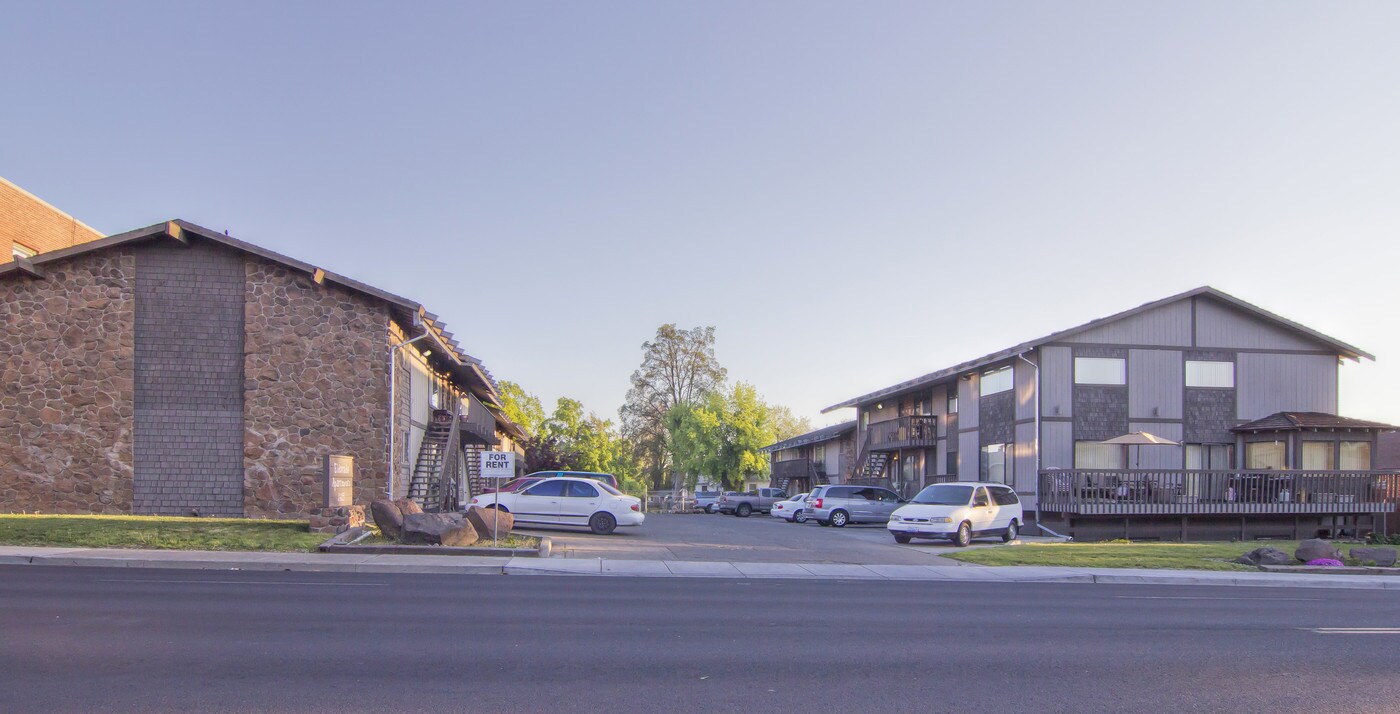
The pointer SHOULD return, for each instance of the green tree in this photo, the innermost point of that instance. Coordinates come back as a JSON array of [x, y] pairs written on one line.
[[720, 436], [520, 406], [569, 439], [785, 424], [678, 367]]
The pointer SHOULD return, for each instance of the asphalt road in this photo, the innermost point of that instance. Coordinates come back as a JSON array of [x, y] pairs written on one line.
[[112, 639], [756, 539]]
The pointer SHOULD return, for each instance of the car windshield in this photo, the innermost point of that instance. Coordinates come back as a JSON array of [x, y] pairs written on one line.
[[944, 494], [608, 487]]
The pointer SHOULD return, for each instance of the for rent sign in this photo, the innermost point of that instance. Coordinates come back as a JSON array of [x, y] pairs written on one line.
[[498, 464]]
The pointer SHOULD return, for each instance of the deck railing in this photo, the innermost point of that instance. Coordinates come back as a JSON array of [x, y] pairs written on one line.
[[1242, 492], [909, 432], [794, 468]]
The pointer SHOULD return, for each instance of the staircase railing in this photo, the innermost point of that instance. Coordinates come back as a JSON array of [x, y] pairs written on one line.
[[447, 496]]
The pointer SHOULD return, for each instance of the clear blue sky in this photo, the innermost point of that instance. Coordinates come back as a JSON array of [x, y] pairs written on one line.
[[853, 194]]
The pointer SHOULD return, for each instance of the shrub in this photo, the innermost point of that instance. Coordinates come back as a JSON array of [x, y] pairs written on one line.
[[1383, 539]]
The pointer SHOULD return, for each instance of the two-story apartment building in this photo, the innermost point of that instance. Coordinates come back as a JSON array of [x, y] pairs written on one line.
[[818, 457], [175, 370], [1203, 369]]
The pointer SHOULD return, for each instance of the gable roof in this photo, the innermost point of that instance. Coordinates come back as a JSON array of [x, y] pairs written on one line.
[[1290, 421], [1343, 349], [412, 315], [813, 437]]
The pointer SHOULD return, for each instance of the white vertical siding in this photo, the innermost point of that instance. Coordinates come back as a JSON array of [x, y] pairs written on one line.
[[1220, 325], [1025, 389], [968, 396], [969, 456], [940, 408], [833, 456], [1057, 445], [1024, 455], [1155, 384], [1056, 381], [1269, 383], [1167, 325]]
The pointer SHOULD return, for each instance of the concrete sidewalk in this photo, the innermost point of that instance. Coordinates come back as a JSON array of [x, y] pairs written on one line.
[[458, 565]]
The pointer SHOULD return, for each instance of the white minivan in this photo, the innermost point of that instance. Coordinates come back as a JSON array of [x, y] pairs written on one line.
[[959, 511]]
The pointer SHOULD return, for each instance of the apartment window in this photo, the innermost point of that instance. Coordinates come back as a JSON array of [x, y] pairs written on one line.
[[1356, 456], [994, 463], [953, 398], [1100, 370], [18, 251], [1095, 455], [1210, 374], [1319, 456], [952, 464], [1210, 457], [819, 454], [1266, 455], [996, 381]]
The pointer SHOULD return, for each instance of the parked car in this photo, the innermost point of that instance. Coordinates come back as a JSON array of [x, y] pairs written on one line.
[[744, 504], [608, 479], [513, 485], [793, 510], [840, 505], [959, 511], [569, 501], [706, 500]]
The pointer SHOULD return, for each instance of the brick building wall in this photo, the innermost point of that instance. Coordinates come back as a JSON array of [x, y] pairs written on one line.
[[66, 387], [316, 376], [28, 220], [189, 380]]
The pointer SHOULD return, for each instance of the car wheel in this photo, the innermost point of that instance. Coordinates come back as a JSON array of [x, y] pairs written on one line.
[[710, 508], [900, 538], [964, 535], [1011, 532], [602, 523], [494, 506], [799, 516], [743, 510], [840, 518]]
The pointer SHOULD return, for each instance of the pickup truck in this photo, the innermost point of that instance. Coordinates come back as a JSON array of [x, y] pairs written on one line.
[[743, 504]]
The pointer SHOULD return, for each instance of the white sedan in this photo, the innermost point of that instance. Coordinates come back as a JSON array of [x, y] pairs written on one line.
[[793, 510], [565, 501]]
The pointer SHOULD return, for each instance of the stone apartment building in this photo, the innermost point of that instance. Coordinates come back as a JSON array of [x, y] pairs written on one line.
[[29, 225], [176, 370]]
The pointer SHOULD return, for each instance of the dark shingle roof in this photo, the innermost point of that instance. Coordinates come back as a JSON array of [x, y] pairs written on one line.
[[813, 437], [1288, 421], [1343, 349]]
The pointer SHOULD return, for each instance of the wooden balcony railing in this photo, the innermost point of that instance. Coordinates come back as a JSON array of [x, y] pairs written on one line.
[[795, 468], [910, 432], [1232, 492]]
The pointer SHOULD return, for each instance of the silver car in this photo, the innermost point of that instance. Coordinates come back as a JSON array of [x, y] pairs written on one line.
[[839, 505]]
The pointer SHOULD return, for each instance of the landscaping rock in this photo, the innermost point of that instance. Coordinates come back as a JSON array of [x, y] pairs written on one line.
[[388, 517], [482, 519], [1316, 549], [450, 529], [1383, 557], [408, 506], [1265, 556]]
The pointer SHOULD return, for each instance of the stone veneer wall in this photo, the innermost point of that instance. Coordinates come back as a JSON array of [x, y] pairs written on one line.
[[316, 383], [66, 386]]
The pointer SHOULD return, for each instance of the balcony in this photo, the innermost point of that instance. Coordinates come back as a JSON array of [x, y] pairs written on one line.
[[1233, 492], [910, 432], [794, 468]]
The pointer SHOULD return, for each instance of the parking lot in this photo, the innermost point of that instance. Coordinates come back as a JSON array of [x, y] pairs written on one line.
[[757, 539]]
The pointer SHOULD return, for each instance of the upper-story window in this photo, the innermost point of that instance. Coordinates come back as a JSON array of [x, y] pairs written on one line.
[[1100, 370], [1210, 374], [953, 398], [997, 381], [18, 251]]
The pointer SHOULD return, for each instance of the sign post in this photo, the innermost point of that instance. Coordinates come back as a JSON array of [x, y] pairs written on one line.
[[498, 465], [339, 484]]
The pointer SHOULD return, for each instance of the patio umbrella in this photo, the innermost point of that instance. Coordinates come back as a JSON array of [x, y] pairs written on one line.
[[1140, 439]]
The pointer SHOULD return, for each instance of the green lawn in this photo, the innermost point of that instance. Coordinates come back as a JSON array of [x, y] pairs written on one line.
[[1185, 556], [157, 532]]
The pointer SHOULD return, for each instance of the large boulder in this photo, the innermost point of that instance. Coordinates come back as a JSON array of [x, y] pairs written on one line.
[[408, 506], [388, 516], [483, 519], [450, 529], [1384, 557], [1316, 549], [1265, 556]]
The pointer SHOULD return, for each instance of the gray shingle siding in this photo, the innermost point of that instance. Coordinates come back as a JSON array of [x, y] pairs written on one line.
[[1100, 412], [1209, 415], [998, 419], [188, 445]]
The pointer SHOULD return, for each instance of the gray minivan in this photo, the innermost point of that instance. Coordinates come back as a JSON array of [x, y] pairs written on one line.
[[839, 505]]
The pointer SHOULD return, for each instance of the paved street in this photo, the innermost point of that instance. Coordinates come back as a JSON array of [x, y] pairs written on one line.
[[78, 639], [756, 539]]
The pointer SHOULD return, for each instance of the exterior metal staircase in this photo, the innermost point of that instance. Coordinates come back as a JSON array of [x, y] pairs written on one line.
[[870, 466], [435, 473]]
